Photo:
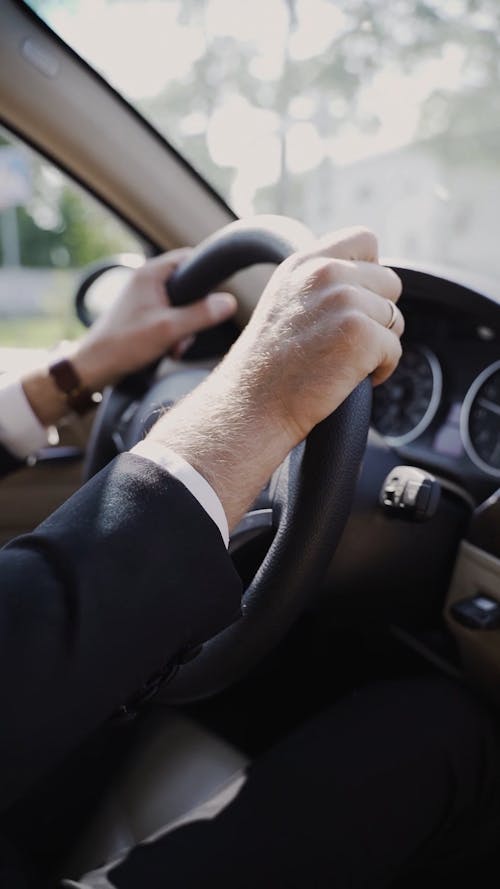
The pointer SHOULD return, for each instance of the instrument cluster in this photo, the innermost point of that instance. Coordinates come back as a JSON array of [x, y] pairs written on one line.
[[405, 405], [480, 420], [442, 407]]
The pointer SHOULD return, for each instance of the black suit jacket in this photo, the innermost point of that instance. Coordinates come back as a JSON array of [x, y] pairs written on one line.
[[97, 600]]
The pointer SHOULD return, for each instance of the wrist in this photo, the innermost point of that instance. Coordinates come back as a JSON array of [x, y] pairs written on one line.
[[58, 388], [230, 431], [47, 402], [90, 360], [266, 384]]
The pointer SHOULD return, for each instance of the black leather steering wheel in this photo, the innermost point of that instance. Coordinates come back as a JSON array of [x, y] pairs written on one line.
[[311, 494]]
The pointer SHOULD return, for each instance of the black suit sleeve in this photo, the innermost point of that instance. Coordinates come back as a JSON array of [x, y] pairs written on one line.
[[109, 589], [8, 462]]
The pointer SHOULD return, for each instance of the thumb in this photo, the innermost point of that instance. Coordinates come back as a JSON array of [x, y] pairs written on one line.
[[215, 308]]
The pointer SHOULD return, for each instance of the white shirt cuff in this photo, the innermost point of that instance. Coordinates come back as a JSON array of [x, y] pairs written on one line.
[[20, 429], [190, 477]]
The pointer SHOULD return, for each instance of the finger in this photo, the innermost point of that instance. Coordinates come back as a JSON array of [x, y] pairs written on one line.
[[162, 265], [390, 354], [200, 315], [377, 307], [377, 278], [354, 244]]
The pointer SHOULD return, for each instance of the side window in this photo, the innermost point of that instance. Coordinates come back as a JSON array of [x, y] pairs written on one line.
[[49, 229]]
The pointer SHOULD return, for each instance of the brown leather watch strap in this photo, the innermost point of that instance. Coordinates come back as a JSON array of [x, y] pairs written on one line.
[[67, 381]]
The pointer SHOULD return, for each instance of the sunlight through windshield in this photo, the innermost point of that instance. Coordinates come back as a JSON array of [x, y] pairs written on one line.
[[336, 113]]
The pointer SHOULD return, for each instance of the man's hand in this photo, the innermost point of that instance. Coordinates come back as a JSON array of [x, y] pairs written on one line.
[[142, 325], [139, 328], [320, 328]]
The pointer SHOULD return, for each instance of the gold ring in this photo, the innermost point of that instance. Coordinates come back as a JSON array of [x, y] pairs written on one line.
[[394, 315]]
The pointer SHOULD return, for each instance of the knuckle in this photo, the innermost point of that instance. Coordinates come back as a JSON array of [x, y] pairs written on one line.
[[337, 271], [342, 297], [356, 325], [366, 240], [315, 271], [324, 272]]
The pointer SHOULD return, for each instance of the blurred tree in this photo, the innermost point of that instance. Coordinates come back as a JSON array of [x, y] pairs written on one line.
[[369, 36], [372, 36], [62, 226]]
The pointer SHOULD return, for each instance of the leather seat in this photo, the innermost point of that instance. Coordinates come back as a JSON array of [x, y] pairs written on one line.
[[177, 772]]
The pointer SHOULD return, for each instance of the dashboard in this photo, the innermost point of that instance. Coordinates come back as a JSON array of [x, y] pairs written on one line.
[[441, 408]]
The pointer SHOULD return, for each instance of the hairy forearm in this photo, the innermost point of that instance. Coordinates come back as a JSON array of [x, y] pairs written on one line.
[[230, 431]]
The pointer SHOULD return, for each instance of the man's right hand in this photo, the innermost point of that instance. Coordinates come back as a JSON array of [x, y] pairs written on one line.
[[320, 328]]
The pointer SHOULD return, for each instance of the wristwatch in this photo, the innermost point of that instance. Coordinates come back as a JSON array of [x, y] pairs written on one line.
[[79, 398]]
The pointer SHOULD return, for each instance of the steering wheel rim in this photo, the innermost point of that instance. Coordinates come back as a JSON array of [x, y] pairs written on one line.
[[311, 507]]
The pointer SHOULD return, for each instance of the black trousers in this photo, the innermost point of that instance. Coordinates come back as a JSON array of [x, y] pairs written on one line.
[[396, 778]]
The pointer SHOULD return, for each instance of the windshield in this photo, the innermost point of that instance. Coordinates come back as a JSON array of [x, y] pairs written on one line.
[[336, 113]]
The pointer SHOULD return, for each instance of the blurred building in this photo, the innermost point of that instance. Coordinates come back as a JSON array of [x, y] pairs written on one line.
[[422, 205]]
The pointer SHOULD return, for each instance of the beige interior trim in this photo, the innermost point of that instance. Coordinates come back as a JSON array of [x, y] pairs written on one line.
[[175, 772], [476, 572], [51, 98], [30, 494]]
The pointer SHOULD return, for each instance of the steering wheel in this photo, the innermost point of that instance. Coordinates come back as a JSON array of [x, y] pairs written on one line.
[[310, 495]]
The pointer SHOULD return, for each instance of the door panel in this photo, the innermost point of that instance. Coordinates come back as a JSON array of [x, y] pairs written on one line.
[[49, 229], [30, 494]]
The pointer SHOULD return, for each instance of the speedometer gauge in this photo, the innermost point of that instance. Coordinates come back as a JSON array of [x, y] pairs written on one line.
[[406, 404], [480, 420]]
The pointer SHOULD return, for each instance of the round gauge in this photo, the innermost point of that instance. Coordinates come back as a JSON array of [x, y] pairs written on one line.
[[406, 404], [480, 420]]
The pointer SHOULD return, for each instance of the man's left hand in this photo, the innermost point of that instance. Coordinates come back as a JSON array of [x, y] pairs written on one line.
[[142, 325]]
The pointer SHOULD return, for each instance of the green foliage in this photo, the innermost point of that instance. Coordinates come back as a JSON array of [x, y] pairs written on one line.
[[89, 233], [82, 236], [79, 231]]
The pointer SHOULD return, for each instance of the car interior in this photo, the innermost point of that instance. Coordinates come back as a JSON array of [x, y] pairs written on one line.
[[382, 560]]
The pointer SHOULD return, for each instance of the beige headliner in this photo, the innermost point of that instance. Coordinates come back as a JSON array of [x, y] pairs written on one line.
[[52, 100]]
